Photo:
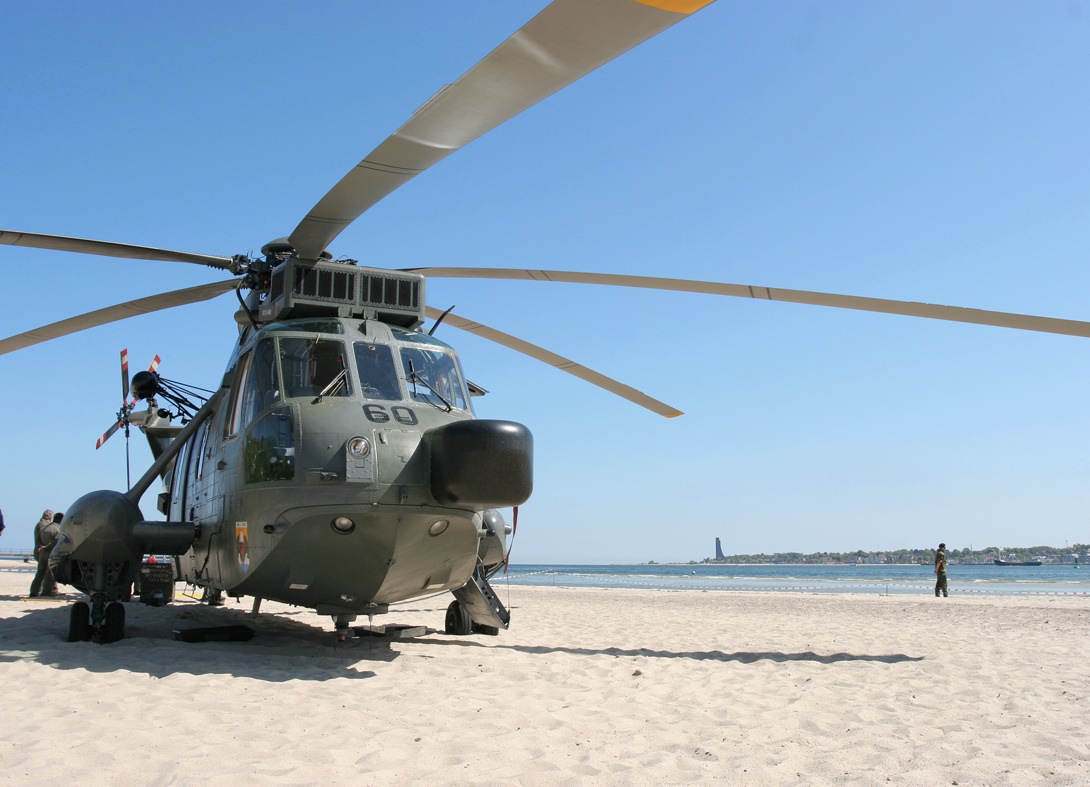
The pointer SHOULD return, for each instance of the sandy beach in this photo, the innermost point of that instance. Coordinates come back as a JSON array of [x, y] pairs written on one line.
[[588, 687]]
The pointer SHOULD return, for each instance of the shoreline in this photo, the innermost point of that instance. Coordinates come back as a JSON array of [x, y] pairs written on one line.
[[590, 686]]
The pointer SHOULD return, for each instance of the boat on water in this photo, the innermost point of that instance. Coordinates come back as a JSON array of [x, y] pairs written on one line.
[[999, 562]]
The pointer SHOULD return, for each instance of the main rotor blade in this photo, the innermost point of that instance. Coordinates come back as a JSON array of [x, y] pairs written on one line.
[[153, 303], [558, 361], [107, 249], [1024, 322], [567, 40]]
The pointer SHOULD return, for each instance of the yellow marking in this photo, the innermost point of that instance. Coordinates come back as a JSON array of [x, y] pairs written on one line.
[[677, 6]]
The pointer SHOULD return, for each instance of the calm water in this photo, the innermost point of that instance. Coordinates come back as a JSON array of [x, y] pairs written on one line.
[[963, 579], [975, 579]]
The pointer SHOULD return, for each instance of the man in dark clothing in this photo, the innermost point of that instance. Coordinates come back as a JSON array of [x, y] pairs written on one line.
[[940, 572], [45, 534]]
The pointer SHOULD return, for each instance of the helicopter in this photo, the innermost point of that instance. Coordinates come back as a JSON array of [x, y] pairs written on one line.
[[339, 466]]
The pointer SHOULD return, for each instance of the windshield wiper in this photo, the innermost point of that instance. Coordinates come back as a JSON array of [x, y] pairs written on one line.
[[334, 385], [414, 377]]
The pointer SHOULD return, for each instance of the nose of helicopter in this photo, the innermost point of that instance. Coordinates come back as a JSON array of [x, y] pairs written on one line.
[[347, 558]]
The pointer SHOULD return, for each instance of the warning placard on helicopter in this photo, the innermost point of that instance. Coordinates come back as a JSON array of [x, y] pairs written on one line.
[[242, 542]]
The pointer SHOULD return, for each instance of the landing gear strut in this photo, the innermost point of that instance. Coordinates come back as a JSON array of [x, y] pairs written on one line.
[[476, 609], [340, 622]]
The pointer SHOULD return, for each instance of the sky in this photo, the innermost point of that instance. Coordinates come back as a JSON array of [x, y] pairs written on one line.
[[921, 151]]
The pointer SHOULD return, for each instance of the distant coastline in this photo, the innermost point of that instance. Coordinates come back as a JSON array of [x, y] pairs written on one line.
[[1066, 555]]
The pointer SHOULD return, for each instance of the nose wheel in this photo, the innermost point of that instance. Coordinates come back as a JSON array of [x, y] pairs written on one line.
[[98, 621], [113, 628], [79, 622]]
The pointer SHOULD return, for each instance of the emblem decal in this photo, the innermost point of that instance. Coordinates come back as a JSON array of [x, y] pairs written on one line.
[[242, 542]]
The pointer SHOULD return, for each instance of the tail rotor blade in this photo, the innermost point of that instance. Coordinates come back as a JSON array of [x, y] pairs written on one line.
[[107, 435], [124, 375]]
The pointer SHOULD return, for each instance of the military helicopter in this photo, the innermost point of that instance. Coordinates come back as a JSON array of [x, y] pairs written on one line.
[[338, 465]]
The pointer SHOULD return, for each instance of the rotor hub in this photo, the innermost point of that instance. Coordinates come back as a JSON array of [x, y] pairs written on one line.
[[280, 249]]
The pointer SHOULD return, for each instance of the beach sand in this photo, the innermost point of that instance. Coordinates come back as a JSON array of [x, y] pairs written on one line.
[[588, 687]]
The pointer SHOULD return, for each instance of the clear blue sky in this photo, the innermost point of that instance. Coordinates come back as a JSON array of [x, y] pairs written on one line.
[[927, 151]]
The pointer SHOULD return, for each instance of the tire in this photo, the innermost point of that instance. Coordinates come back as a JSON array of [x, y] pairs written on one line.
[[114, 627], [79, 622], [458, 621]]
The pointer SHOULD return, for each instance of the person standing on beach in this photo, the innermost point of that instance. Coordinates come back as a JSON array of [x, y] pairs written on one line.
[[45, 534], [940, 572]]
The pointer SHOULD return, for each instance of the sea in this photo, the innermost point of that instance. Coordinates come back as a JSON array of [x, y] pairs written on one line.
[[977, 579], [964, 579]]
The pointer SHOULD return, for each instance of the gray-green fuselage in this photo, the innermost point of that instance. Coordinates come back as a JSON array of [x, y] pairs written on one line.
[[313, 484]]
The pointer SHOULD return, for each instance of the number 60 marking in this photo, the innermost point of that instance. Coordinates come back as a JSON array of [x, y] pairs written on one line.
[[376, 413]]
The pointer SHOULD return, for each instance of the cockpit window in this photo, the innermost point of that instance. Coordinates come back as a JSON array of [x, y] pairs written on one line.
[[432, 376], [378, 377], [313, 367], [256, 387], [306, 325], [405, 335]]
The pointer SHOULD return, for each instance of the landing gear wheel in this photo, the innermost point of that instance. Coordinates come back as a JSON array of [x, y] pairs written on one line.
[[114, 627], [79, 622], [458, 621]]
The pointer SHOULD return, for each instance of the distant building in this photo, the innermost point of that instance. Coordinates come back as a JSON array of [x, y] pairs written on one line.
[[719, 556]]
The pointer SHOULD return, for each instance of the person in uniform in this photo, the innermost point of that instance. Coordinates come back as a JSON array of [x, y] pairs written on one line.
[[940, 572], [45, 533]]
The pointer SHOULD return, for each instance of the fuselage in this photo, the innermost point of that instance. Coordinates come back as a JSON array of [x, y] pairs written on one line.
[[345, 469]]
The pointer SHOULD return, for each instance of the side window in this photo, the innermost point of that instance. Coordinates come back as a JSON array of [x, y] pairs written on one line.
[[199, 441], [234, 418], [263, 384], [375, 365], [178, 481], [270, 448], [312, 367], [258, 386]]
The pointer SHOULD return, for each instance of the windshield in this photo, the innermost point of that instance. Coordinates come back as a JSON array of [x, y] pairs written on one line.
[[306, 325], [378, 377], [432, 376], [313, 367], [416, 337]]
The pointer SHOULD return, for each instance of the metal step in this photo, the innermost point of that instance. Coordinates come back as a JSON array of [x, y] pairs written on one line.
[[481, 602]]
